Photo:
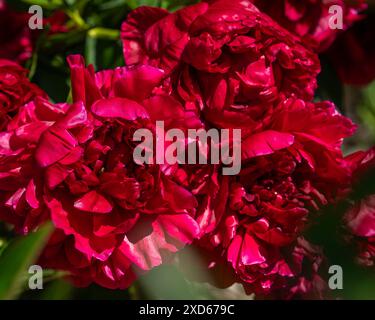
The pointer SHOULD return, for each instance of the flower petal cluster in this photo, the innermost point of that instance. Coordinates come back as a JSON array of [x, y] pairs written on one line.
[[312, 20], [73, 164]]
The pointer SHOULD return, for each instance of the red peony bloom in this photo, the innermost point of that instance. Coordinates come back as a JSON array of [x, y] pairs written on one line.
[[234, 67], [291, 168], [307, 262], [16, 38], [56, 22], [225, 58], [74, 163], [15, 90], [360, 220], [309, 19], [353, 54]]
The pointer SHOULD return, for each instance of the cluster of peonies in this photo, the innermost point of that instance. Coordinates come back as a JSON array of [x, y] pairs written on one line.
[[73, 163], [217, 64], [15, 90], [310, 19], [234, 67], [350, 50]]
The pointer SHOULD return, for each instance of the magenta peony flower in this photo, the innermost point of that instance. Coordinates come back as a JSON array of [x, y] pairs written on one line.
[[353, 53], [225, 59], [307, 262], [360, 220], [15, 90], [291, 168], [16, 38], [309, 19], [73, 163], [236, 68]]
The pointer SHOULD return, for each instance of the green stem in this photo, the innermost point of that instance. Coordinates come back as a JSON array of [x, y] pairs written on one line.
[[90, 50], [104, 33], [76, 17]]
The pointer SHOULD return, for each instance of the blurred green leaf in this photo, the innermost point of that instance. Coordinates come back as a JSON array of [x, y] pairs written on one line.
[[90, 50], [165, 282], [57, 290], [153, 3], [366, 110], [174, 5], [17, 258], [45, 4], [328, 231]]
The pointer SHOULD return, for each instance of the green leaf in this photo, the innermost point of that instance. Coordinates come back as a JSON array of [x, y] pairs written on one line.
[[16, 259], [58, 290], [366, 111], [46, 4]]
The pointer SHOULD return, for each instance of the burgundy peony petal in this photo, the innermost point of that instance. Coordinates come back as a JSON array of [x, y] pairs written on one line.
[[265, 143], [67, 221], [128, 81], [234, 250], [132, 30], [93, 202], [119, 108], [31, 196], [84, 86], [55, 174], [54, 144], [181, 227], [250, 251], [178, 197], [147, 252]]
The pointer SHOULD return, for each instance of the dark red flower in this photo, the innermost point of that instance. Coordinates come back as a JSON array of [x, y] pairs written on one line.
[[234, 67], [307, 263], [16, 38], [73, 163], [353, 53], [56, 22], [360, 219], [290, 169], [15, 90], [309, 19], [225, 59]]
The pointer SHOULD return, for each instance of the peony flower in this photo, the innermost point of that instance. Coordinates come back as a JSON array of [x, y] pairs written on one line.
[[291, 168], [360, 219], [307, 263], [73, 164], [225, 59], [15, 90], [56, 22], [309, 19], [353, 53], [16, 38], [234, 67]]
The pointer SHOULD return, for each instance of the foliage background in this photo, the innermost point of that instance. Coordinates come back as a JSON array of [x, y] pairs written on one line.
[[94, 33]]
